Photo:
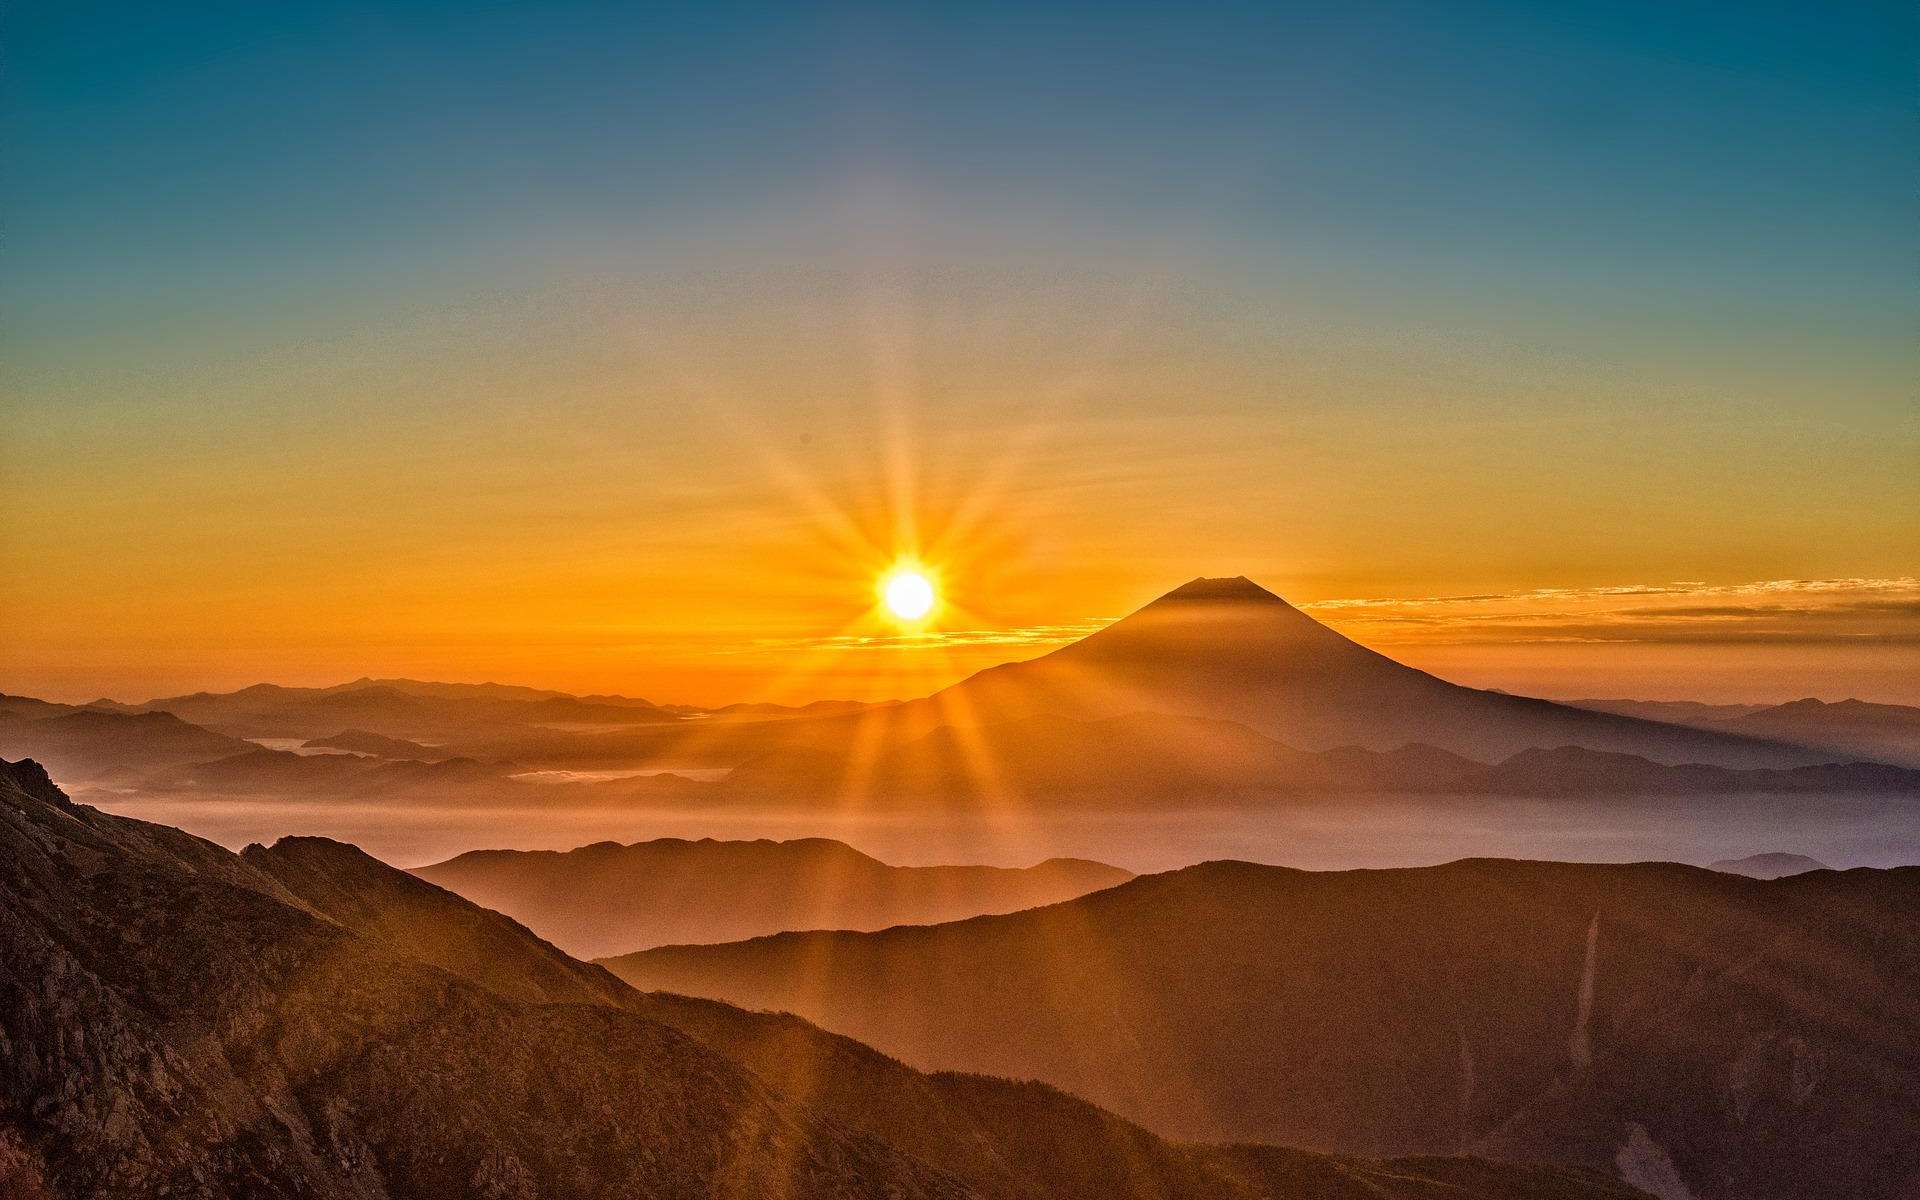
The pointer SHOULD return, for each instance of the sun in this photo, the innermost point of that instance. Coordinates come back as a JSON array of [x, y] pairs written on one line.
[[907, 593]]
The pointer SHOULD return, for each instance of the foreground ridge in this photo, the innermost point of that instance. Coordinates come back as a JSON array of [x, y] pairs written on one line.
[[1754, 1040], [302, 1020]]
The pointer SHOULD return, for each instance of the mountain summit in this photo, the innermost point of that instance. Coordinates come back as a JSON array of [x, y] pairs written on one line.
[[1226, 590]]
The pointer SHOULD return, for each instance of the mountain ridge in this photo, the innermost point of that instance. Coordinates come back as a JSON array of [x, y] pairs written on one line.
[[607, 898], [1756, 1034], [302, 1020]]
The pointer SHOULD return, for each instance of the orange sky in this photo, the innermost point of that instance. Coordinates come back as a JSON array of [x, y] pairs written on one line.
[[565, 487], [702, 520], [680, 483]]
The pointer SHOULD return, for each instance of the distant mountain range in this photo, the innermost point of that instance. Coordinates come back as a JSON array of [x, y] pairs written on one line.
[[1219, 693], [301, 1020], [1888, 733], [1700, 1034], [399, 707], [1137, 762], [374, 745], [608, 898], [257, 772], [1155, 761]]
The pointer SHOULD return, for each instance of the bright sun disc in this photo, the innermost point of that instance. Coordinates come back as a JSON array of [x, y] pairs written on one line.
[[908, 595]]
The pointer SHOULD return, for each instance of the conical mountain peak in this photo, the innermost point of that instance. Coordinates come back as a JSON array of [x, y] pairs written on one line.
[[1210, 625], [1228, 649]]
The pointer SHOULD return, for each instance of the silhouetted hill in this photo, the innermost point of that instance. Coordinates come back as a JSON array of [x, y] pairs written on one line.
[[1229, 649], [1883, 732], [1672, 712], [176, 1023], [1888, 733], [607, 898], [815, 708], [283, 774], [486, 691], [359, 741], [1573, 770], [90, 743], [304, 1021], [269, 710], [28, 708], [1774, 865], [999, 1137], [401, 708], [1756, 1039]]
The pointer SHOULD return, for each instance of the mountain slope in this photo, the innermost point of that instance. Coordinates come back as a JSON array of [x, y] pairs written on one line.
[[302, 1021], [1229, 649], [91, 743], [1003, 1138], [176, 1023], [607, 898], [359, 741], [1760, 1037]]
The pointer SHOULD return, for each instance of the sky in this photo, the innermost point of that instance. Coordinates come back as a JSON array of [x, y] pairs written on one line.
[[1567, 348]]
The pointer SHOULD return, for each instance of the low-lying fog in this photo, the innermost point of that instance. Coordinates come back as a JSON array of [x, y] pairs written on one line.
[[1377, 831]]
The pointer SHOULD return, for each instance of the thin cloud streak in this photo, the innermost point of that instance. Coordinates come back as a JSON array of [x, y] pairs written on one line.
[[1765, 587], [1853, 611]]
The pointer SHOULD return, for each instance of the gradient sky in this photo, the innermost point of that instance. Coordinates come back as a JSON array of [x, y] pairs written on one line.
[[617, 347]]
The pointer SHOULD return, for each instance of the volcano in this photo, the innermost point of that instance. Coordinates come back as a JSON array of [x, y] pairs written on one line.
[[1228, 649]]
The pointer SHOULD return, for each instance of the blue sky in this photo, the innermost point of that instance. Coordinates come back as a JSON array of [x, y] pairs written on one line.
[[1720, 150]]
